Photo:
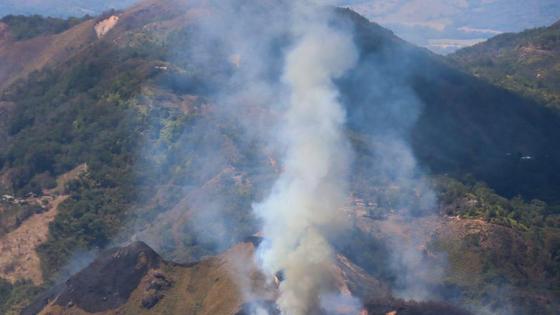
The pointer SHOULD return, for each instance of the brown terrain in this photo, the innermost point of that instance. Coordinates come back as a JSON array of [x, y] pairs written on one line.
[[135, 280], [18, 256], [21, 58]]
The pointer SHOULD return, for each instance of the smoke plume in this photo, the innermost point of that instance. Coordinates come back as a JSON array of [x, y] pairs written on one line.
[[306, 200], [272, 71]]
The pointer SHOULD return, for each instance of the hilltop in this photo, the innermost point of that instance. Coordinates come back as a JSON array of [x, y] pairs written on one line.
[[527, 63]]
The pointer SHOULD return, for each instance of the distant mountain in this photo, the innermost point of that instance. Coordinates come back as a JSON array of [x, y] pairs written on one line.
[[61, 8], [527, 63], [445, 26]]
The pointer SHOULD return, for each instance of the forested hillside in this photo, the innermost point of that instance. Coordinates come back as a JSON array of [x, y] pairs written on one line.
[[527, 63], [135, 108]]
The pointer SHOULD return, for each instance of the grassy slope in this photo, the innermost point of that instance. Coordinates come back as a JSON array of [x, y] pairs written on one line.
[[501, 269], [26, 27], [205, 288], [20, 58]]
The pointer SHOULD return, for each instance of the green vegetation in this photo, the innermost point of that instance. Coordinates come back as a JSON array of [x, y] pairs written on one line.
[[93, 110], [100, 108], [502, 268], [464, 125], [519, 251], [25, 27], [15, 296], [476, 200], [527, 63], [79, 114]]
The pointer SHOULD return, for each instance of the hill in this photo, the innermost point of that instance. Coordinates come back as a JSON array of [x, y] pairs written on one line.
[[527, 63], [135, 280], [125, 95], [27, 46]]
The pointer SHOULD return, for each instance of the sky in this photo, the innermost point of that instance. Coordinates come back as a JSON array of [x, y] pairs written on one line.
[[440, 25]]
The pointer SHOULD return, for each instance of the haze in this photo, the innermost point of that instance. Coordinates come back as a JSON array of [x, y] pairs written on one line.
[[440, 25]]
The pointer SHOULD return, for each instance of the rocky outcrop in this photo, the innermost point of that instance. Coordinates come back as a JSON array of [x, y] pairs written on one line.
[[156, 285], [103, 27]]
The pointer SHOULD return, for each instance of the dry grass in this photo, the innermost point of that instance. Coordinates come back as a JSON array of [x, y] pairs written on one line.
[[18, 256], [206, 288], [64, 179], [215, 286], [19, 59]]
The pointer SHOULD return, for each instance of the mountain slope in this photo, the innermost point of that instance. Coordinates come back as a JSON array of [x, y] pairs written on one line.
[[135, 280], [527, 62], [20, 58], [464, 125], [141, 113]]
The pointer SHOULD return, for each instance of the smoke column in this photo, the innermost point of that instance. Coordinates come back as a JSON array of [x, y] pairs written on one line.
[[304, 208]]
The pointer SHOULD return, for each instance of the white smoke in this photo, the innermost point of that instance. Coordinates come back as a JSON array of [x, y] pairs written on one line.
[[306, 202]]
